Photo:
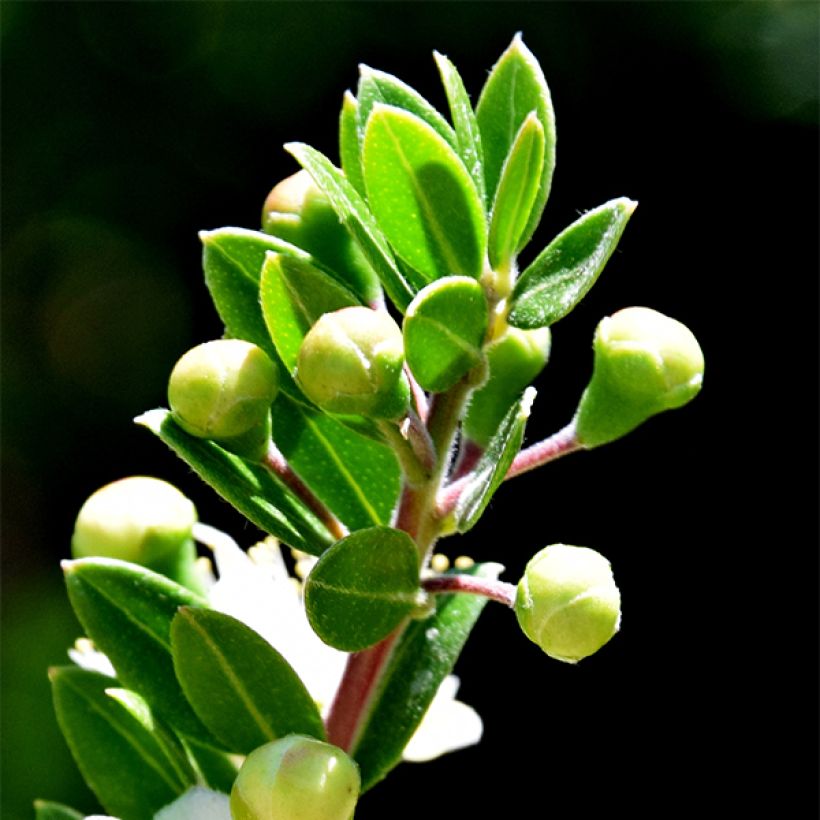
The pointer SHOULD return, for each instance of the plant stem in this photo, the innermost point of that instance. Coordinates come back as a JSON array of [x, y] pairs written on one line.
[[490, 588]]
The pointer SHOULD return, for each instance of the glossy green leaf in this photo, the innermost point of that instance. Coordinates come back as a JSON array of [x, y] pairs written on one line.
[[357, 218], [357, 478], [120, 759], [363, 587], [243, 690], [515, 87], [424, 656], [127, 611], [493, 465], [251, 488], [294, 294], [564, 272], [516, 192], [423, 197], [48, 810], [349, 142], [443, 331], [379, 87], [468, 136]]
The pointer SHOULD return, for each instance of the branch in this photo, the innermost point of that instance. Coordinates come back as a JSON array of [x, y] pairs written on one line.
[[490, 588]]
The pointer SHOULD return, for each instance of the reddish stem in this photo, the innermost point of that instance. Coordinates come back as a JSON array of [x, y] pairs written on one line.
[[490, 588]]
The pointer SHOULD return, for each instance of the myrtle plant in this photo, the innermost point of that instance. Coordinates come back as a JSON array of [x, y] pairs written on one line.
[[369, 397]]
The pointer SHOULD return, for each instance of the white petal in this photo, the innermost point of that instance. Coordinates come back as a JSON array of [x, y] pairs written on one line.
[[198, 803], [87, 656], [448, 725]]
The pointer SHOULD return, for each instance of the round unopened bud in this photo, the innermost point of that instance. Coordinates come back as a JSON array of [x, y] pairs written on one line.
[[223, 390], [296, 777], [138, 519], [567, 602], [351, 362], [645, 363]]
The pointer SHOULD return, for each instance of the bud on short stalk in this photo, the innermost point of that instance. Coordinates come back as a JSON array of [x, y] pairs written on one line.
[[141, 520], [351, 361], [223, 390], [645, 363], [567, 602], [296, 777]]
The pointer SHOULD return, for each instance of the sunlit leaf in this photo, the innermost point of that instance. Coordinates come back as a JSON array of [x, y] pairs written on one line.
[[349, 142]]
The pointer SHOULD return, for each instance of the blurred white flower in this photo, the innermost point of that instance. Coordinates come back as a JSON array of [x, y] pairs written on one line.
[[198, 803]]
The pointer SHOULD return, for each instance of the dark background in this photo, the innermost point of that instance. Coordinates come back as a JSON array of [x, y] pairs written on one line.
[[127, 127]]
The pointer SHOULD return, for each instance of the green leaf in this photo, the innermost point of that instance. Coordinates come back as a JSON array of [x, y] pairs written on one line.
[[357, 218], [215, 768], [363, 587], [423, 197], [443, 331], [357, 478], [423, 657], [494, 463], [515, 87], [379, 87], [120, 759], [516, 192], [243, 690], [468, 136], [48, 810], [127, 611], [232, 259], [350, 143], [294, 295], [569, 266], [251, 488]]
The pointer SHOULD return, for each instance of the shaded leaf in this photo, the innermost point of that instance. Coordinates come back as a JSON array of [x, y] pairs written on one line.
[[127, 611], [357, 218], [421, 194], [443, 331], [215, 768], [357, 478], [363, 587], [516, 192], [251, 488], [468, 136], [423, 657], [47, 810], [494, 463], [243, 690], [564, 272], [515, 87], [121, 760]]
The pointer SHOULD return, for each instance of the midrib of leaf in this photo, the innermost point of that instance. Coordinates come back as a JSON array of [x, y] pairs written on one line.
[[236, 264], [440, 236], [124, 733], [370, 595], [458, 341], [240, 690]]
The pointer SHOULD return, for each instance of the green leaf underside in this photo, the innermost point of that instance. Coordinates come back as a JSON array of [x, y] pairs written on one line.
[[294, 295], [241, 688], [468, 136], [494, 463], [422, 196], [232, 259], [357, 478], [122, 761], [127, 611], [359, 221], [349, 142], [379, 87], [424, 656], [443, 331], [515, 87], [48, 810], [516, 192], [250, 488], [564, 272], [363, 587]]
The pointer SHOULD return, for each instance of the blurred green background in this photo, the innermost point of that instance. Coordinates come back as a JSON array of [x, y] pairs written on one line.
[[127, 127]]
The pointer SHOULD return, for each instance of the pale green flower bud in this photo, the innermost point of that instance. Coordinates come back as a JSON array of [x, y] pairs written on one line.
[[567, 602], [223, 390], [142, 520], [296, 777], [645, 363], [351, 362]]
